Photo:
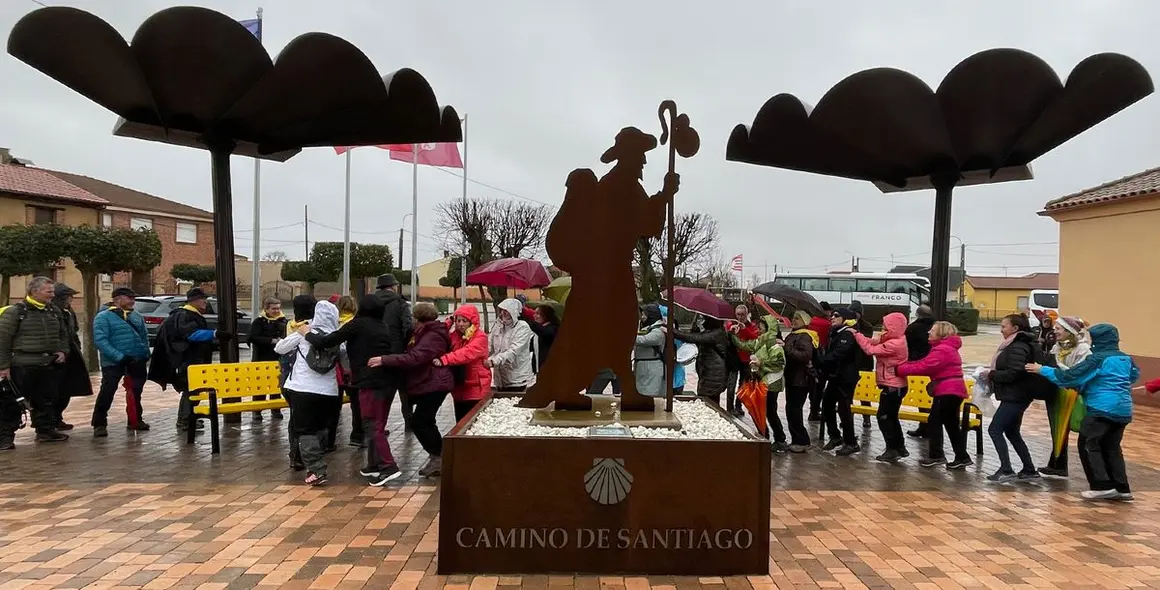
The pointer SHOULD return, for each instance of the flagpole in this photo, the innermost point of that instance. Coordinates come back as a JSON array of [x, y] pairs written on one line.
[[463, 254], [414, 223], [256, 251], [346, 232]]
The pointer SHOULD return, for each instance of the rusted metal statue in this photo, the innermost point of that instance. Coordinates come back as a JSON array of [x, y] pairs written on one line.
[[593, 237]]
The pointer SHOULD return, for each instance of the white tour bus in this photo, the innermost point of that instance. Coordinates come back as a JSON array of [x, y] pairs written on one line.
[[1039, 302], [880, 292]]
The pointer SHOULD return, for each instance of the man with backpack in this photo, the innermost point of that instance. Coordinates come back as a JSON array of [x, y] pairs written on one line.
[[34, 343], [184, 339]]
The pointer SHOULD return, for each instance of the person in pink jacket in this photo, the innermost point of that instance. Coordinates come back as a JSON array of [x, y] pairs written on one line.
[[468, 351], [944, 366], [889, 351]]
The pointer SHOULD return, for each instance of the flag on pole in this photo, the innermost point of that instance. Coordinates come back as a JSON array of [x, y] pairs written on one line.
[[254, 26], [429, 154], [737, 265]]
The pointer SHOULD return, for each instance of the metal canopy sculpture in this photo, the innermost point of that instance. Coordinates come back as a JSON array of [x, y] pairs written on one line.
[[197, 78], [993, 114]]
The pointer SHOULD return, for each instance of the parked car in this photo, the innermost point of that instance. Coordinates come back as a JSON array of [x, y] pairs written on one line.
[[158, 307]]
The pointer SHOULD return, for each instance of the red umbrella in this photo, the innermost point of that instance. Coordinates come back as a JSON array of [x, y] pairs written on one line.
[[514, 273], [702, 302]]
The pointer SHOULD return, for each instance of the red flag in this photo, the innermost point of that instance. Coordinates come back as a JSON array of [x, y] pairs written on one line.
[[430, 154]]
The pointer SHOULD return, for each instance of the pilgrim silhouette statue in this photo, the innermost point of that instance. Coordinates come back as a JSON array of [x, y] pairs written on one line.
[[593, 237]]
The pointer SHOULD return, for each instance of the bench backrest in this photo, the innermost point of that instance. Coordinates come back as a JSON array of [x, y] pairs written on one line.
[[916, 395], [236, 379]]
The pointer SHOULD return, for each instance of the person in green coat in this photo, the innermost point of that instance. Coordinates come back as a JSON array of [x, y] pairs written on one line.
[[767, 364]]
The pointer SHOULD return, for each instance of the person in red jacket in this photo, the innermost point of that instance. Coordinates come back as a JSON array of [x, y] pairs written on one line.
[[821, 326], [746, 330], [468, 351]]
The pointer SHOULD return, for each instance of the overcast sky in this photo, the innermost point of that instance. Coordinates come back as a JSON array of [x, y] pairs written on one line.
[[546, 85]]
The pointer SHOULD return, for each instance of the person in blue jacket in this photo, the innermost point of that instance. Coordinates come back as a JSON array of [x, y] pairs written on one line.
[[1104, 379], [119, 334]]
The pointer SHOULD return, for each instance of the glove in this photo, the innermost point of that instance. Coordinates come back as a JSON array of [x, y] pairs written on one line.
[[223, 336]]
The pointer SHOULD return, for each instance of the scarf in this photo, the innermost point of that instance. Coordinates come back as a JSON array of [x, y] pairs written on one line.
[[273, 317], [1002, 345], [191, 308], [344, 317], [293, 326], [34, 303], [813, 335]]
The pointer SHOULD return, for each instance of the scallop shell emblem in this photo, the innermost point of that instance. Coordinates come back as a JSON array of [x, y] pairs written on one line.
[[608, 482]]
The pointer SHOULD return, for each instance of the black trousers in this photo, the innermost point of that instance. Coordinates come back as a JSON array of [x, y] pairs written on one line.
[[889, 401], [133, 375], [836, 407], [462, 408], [423, 421], [356, 422], [945, 416], [1101, 454], [39, 385], [795, 402], [817, 391], [602, 381], [1057, 461], [776, 432], [309, 420]]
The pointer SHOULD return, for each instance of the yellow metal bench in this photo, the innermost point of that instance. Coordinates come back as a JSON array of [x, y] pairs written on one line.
[[233, 381], [917, 398]]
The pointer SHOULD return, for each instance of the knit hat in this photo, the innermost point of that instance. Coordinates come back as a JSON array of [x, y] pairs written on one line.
[[333, 299], [1072, 324], [195, 294], [847, 313]]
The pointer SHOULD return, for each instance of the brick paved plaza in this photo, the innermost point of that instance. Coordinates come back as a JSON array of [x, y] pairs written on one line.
[[148, 511]]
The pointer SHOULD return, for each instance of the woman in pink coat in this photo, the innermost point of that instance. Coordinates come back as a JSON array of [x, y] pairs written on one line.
[[889, 351], [944, 366], [468, 351]]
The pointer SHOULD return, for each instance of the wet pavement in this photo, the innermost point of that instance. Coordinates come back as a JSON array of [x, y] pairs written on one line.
[[148, 511]]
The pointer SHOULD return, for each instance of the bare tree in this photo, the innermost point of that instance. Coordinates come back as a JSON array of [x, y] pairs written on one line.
[[275, 256], [695, 244], [716, 272]]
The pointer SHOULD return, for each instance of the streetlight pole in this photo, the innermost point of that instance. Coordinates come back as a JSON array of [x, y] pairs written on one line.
[[402, 225], [962, 267]]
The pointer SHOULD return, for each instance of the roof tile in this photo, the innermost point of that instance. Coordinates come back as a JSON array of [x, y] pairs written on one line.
[[1141, 183], [34, 182], [119, 196], [1036, 280]]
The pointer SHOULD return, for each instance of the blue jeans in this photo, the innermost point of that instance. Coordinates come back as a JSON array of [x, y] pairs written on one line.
[[1006, 422]]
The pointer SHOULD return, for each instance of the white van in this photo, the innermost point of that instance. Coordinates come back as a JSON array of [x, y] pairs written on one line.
[[1039, 302]]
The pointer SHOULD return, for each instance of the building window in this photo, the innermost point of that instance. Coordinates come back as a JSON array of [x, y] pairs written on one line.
[[140, 223], [43, 215], [186, 233], [106, 220]]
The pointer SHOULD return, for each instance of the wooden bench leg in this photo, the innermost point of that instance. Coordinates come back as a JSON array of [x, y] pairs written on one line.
[[215, 445]]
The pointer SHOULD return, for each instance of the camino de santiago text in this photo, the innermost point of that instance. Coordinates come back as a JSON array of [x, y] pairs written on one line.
[[559, 538]]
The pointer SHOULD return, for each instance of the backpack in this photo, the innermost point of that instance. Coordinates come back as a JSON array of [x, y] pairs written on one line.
[[321, 360]]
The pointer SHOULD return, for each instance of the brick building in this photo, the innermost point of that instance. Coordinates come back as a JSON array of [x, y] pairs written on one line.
[[186, 232]]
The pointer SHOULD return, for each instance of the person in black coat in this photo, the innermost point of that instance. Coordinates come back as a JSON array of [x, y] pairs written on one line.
[[544, 324], [265, 331], [184, 339], [1015, 388], [74, 374], [917, 347], [397, 318], [841, 363]]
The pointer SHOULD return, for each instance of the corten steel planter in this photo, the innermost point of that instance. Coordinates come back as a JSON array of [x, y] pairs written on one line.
[[993, 114], [603, 505], [197, 78]]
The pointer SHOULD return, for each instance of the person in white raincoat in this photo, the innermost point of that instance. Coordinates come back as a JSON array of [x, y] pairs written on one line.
[[648, 363], [510, 344]]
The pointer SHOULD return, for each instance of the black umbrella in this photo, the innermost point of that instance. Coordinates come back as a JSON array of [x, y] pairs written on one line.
[[790, 296]]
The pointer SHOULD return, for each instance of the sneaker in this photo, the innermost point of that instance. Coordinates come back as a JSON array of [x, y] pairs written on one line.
[[1053, 472], [1029, 475], [903, 452], [833, 444], [313, 479], [814, 418], [387, 474], [7, 445], [779, 447], [140, 427], [62, 426], [916, 433], [960, 464], [933, 462], [1123, 497], [51, 437], [433, 467], [848, 450], [276, 414], [357, 443], [296, 463], [798, 449], [890, 456], [1100, 494], [369, 471], [1004, 477], [197, 425], [256, 417], [100, 431]]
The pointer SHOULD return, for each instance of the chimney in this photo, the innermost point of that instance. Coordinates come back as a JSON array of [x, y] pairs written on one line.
[[5, 155]]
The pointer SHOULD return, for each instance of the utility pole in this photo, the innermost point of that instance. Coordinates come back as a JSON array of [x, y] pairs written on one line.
[[306, 230], [853, 264], [962, 269]]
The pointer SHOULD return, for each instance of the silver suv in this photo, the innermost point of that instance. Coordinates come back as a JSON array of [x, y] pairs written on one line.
[[158, 307]]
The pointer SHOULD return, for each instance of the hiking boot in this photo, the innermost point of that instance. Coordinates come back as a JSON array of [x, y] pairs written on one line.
[[62, 426], [140, 427], [890, 456], [1053, 472], [779, 447], [1028, 475], [1100, 494], [100, 432], [848, 450], [276, 414], [7, 445], [1001, 476], [433, 467], [833, 444], [386, 474], [51, 437], [798, 449], [933, 462], [960, 464], [256, 417]]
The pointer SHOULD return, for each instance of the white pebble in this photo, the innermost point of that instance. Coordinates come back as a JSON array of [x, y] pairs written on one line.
[[501, 418]]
